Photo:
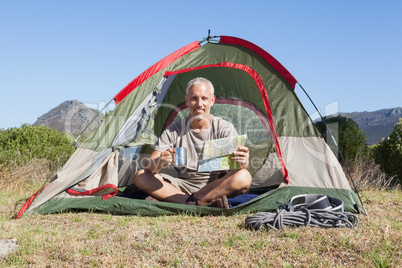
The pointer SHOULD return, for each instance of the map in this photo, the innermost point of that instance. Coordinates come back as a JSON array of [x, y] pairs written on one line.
[[217, 154]]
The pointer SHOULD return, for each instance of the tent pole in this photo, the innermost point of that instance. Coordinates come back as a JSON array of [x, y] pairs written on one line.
[[209, 38], [339, 151], [74, 143]]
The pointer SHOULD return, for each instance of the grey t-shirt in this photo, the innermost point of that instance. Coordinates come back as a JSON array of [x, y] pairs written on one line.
[[180, 134]]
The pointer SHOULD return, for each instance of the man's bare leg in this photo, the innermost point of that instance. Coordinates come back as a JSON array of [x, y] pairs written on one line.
[[156, 186], [234, 183]]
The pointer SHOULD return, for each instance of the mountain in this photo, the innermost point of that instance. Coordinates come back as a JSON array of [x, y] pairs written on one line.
[[377, 124], [70, 117], [73, 116]]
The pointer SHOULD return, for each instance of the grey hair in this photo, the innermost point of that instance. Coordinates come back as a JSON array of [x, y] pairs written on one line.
[[200, 81]]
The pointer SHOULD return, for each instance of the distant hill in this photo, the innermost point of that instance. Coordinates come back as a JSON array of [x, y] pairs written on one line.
[[70, 117], [377, 124], [73, 116]]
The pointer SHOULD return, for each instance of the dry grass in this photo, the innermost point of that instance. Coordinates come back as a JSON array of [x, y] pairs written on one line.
[[367, 175], [89, 239], [29, 175]]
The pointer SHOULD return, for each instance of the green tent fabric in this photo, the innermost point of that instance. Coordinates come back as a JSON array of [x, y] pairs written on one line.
[[254, 91], [126, 206]]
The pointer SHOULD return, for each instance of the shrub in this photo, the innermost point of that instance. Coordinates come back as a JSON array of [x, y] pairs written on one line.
[[28, 142], [351, 139], [388, 153]]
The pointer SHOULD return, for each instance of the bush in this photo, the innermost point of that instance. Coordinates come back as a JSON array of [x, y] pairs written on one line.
[[388, 153], [28, 142], [351, 139]]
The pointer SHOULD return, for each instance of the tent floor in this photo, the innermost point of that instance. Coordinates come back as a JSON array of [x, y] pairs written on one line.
[[124, 204]]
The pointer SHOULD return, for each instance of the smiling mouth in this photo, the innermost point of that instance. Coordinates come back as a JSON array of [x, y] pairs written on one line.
[[199, 110]]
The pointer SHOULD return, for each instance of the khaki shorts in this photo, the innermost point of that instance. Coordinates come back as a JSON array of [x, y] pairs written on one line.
[[185, 186]]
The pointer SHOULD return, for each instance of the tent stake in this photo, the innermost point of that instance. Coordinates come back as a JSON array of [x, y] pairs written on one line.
[[339, 151]]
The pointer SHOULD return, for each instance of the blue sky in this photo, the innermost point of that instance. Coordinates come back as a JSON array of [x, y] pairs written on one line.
[[346, 54]]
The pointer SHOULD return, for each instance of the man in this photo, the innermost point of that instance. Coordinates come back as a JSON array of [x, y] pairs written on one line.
[[192, 187]]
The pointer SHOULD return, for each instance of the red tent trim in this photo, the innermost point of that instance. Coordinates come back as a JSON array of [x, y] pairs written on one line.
[[264, 96], [194, 45], [72, 191], [28, 203], [154, 69], [265, 55]]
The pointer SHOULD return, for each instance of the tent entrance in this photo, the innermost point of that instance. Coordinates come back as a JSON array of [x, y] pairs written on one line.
[[239, 101], [232, 81]]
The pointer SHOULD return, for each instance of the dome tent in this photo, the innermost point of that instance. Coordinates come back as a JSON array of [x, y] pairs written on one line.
[[254, 91]]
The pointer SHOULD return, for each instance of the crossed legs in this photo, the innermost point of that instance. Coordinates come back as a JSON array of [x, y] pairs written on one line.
[[234, 183]]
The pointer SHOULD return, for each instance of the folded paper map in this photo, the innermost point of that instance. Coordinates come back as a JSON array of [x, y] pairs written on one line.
[[217, 154]]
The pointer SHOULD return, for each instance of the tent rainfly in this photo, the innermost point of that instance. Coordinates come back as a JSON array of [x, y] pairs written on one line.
[[254, 92]]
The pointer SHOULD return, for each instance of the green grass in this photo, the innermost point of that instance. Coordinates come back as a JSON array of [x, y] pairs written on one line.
[[104, 240], [91, 239]]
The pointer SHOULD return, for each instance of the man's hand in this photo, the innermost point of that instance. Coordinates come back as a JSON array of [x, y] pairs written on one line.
[[166, 157], [159, 160], [241, 155]]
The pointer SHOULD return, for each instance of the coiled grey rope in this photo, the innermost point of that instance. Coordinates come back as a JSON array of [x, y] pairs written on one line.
[[302, 217]]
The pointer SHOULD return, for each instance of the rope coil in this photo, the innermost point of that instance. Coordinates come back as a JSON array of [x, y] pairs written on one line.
[[305, 210]]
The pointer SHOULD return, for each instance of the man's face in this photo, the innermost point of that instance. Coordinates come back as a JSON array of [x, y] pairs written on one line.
[[199, 101]]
